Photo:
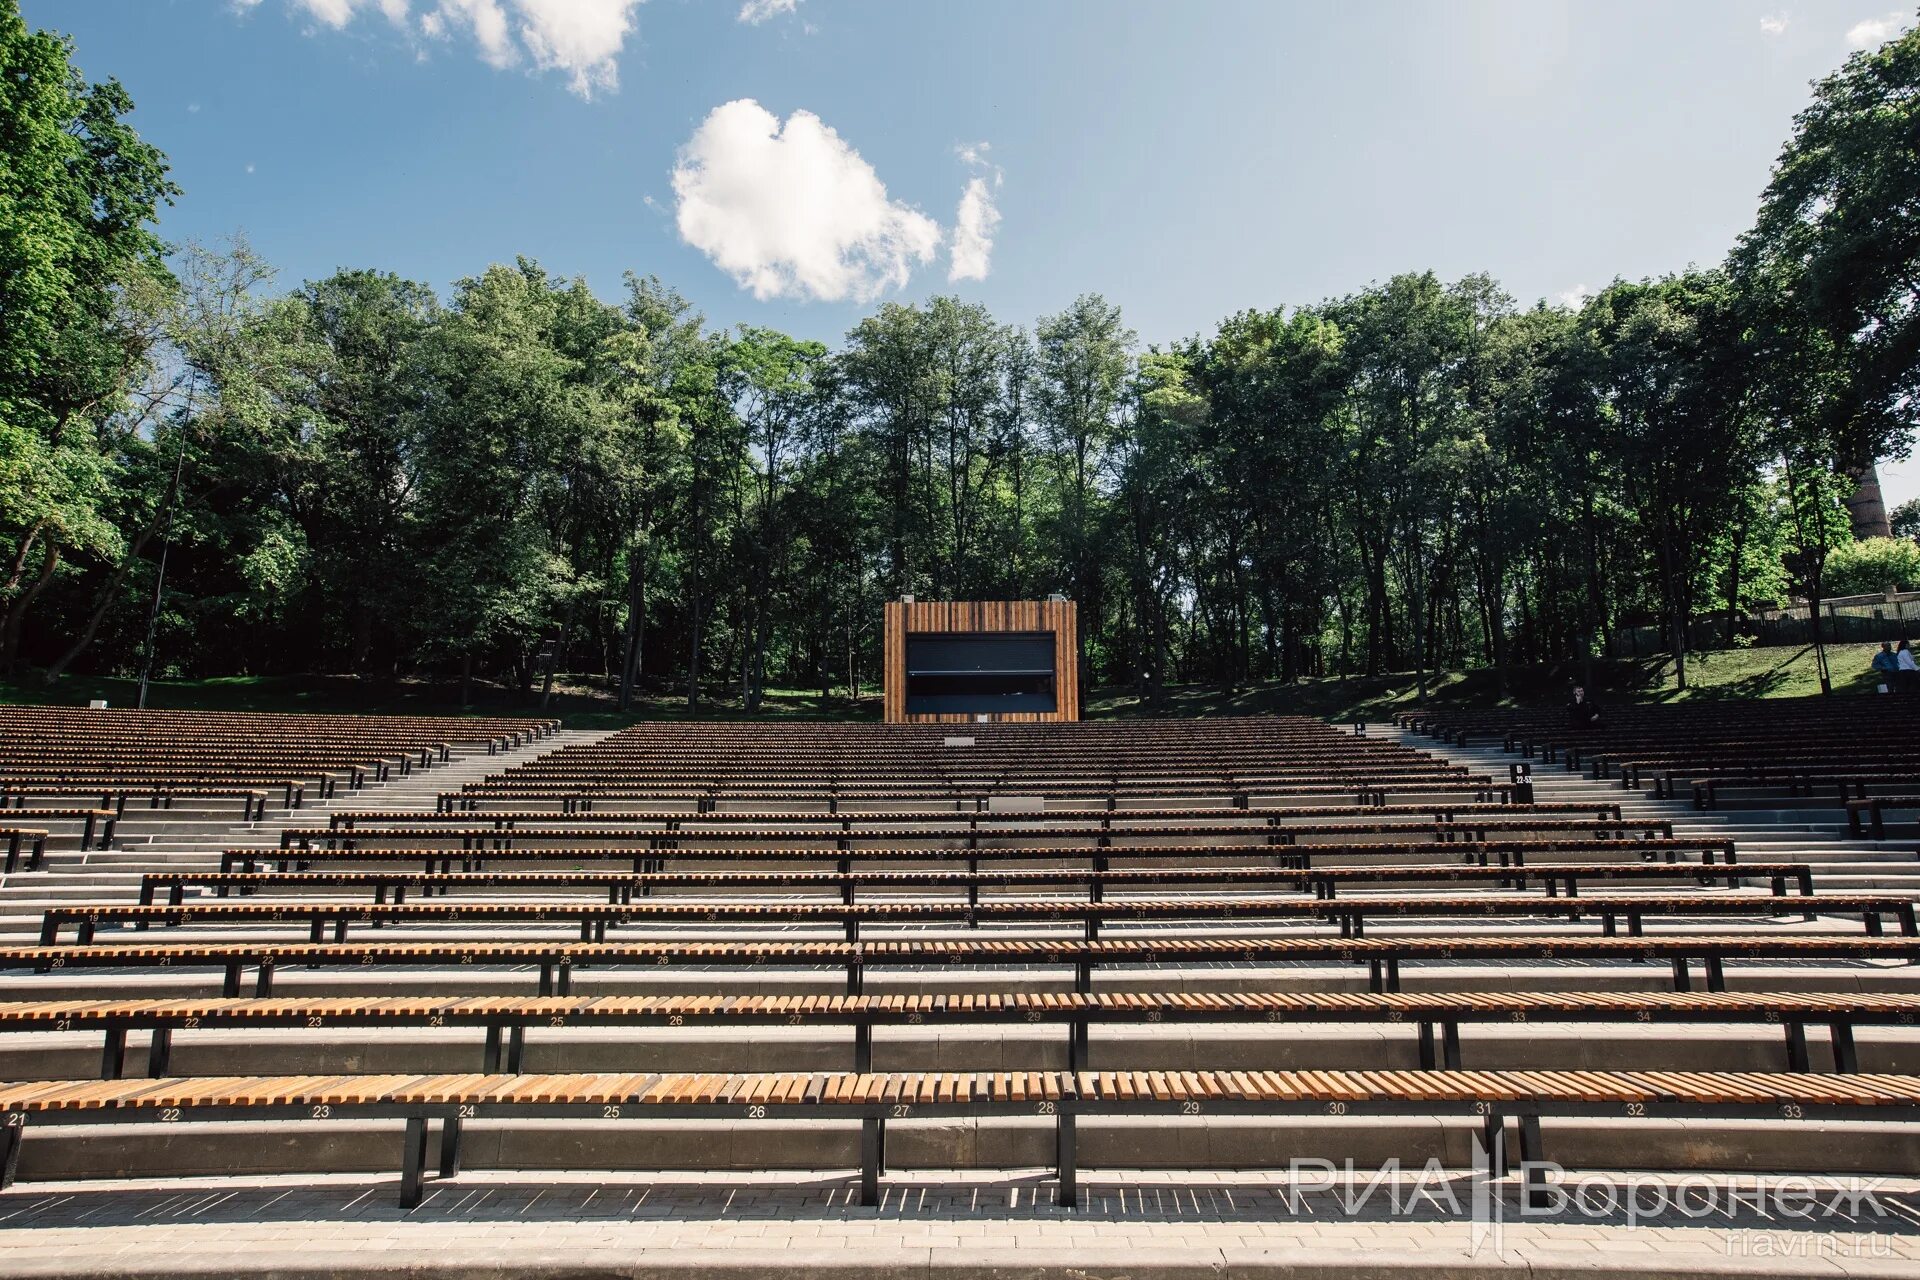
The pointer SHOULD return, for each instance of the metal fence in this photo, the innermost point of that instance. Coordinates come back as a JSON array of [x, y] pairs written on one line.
[[1857, 619]]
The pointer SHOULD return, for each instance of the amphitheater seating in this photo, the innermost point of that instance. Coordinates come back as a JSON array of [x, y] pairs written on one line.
[[1796, 746], [1075, 878], [167, 755]]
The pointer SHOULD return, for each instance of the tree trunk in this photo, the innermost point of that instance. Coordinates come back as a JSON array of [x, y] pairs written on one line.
[[1733, 581], [103, 600], [635, 640], [16, 615]]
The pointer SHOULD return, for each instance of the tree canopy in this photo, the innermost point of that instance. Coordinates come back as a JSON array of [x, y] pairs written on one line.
[[522, 478]]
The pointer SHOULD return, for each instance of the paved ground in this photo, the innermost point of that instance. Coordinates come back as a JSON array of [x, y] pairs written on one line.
[[1148, 1225]]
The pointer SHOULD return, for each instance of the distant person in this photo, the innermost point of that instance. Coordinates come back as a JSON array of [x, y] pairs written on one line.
[[1909, 672], [1888, 666], [1582, 712]]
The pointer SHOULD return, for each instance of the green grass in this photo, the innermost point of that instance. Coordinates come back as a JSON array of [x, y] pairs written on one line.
[[587, 702], [1722, 674]]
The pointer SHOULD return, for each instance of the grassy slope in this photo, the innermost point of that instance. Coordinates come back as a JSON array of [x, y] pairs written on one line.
[[1736, 673], [1732, 673]]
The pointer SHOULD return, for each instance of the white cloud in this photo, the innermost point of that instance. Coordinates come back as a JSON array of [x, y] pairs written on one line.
[[1876, 31], [755, 12], [484, 20], [973, 229], [792, 210], [338, 13], [580, 37], [335, 13], [971, 252], [249, 166], [1774, 24], [1575, 297]]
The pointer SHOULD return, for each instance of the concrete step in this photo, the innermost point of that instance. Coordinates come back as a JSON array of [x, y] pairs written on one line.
[[313, 1148]]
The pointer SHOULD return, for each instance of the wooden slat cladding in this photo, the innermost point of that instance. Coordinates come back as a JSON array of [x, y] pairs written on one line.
[[1061, 617]]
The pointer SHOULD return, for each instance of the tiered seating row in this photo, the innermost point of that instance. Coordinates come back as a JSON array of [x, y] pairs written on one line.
[[1437, 1017], [1063, 1097]]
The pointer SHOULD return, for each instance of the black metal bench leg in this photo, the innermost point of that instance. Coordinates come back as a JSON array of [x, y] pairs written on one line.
[[1066, 1160], [1797, 1047], [863, 1047], [1716, 973], [517, 1051], [13, 1127], [1533, 1178], [450, 1146], [1493, 1140], [1077, 1046], [1427, 1061], [413, 1161], [1450, 1046], [1681, 980], [870, 1160], [490, 1056], [160, 1052], [1846, 1059], [113, 1054]]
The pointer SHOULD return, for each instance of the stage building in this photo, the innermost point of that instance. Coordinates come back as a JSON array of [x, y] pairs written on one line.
[[962, 661]]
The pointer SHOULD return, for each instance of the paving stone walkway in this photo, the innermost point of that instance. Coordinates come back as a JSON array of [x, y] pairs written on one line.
[[489, 1224]]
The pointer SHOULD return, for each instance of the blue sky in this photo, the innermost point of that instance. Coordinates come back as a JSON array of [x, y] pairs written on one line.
[[1186, 159]]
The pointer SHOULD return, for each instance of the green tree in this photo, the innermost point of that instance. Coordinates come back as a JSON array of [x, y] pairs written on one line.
[[81, 282]]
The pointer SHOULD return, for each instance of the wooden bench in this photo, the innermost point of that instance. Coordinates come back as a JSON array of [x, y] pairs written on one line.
[[1875, 808], [1226, 819], [1488, 1097], [555, 961], [1849, 777], [24, 838], [1350, 914], [1297, 856], [114, 794], [1436, 1018], [663, 835], [1372, 790], [625, 886], [92, 821]]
